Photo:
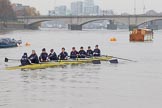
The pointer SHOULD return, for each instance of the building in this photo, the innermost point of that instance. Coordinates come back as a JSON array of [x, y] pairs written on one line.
[[19, 9], [107, 12], [89, 7], [89, 3], [51, 12], [77, 8], [60, 10], [96, 10], [23, 10]]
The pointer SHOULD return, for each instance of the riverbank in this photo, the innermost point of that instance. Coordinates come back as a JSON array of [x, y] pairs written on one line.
[[11, 26]]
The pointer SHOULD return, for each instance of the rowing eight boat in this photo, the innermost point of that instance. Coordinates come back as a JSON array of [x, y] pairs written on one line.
[[60, 63]]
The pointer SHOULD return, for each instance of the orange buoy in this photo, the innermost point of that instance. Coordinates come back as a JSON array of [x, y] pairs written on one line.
[[113, 39], [27, 44]]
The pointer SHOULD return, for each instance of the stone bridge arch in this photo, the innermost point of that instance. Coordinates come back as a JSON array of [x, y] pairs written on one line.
[[97, 20], [76, 22], [148, 21], [116, 20]]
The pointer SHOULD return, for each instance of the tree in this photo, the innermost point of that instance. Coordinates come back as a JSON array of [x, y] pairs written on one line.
[[21, 10], [151, 12], [6, 11], [31, 11]]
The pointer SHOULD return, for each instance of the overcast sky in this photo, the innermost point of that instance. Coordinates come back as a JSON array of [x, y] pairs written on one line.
[[119, 6]]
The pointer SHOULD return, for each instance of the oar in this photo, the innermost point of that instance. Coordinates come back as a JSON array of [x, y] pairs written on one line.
[[114, 61], [122, 58], [96, 61], [93, 61], [7, 59]]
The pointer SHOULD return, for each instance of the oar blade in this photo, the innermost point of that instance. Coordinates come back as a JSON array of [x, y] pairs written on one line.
[[96, 62], [6, 59], [125, 59], [122, 58], [114, 61]]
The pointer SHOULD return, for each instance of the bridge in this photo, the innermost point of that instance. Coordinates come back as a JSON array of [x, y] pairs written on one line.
[[76, 22]]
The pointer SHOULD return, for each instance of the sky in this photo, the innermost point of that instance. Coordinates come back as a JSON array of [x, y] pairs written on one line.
[[119, 6]]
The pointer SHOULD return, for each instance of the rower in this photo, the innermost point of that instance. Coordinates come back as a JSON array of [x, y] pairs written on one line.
[[63, 55], [96, 51], [74, 54], [82, 53], [33, 57], [24, 60], [89, 52], [44, 56], [52, 56]]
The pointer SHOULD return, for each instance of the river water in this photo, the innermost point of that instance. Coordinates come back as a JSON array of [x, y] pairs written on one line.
[[124, 85]]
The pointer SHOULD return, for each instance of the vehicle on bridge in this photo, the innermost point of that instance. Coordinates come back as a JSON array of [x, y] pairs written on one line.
[[141, 35]]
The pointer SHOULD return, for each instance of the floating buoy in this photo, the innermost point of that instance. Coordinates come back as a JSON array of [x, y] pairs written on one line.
[[113, 39], [27, 44]]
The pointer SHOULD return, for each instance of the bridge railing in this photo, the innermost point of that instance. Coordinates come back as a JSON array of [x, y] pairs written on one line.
[[85, 16]]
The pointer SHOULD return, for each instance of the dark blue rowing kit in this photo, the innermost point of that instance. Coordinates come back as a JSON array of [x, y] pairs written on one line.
[[34, 58], [24, 60], [43, 57], [82, 54], [53, 56], [63, 56], [89, 53], [97, 52], [74, 54]]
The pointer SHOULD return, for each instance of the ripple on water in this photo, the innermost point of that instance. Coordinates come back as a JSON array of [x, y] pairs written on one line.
[[86, 85]]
